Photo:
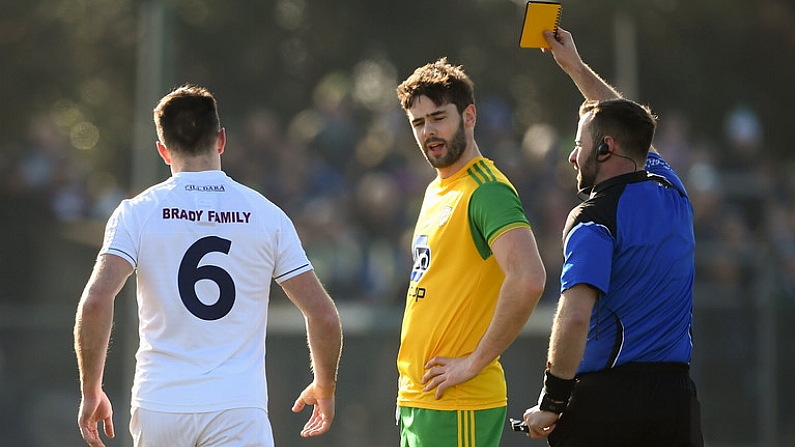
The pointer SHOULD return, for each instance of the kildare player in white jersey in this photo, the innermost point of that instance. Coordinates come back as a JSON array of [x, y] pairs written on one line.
[[205, 249]]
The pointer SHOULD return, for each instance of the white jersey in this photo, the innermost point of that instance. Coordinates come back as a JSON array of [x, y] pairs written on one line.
[[205, 249]]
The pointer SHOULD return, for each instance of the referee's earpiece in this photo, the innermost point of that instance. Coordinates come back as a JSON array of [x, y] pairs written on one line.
[[602, 148]]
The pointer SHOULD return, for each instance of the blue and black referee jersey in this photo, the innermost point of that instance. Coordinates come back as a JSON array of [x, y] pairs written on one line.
[[632, 239]]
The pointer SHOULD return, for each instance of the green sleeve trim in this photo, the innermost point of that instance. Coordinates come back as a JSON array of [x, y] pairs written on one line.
[[494, 209]]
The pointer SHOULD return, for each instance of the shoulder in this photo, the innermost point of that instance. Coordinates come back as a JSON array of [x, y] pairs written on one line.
[[656, 165], [495, 190], [489, 181], [493, 199], [599, 211], [484, 171], [146, 200]]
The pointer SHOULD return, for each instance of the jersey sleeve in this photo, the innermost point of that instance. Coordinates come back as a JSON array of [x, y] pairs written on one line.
[[587, 251], [494, 209], [291, 259], [118, 238]]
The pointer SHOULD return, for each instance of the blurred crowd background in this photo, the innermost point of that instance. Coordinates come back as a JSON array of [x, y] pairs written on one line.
[[306, 93]]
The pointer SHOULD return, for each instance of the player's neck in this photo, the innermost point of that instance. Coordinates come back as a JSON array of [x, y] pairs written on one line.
[[470, 153], [196, 164]]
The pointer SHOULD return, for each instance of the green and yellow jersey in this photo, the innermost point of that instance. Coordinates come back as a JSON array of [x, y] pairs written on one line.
[[455, 283]]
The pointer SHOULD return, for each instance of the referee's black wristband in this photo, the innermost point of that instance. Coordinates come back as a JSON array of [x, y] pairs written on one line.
[[555, 394], [545, 403]]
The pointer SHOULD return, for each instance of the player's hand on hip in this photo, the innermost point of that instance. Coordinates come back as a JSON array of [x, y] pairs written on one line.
[[92, 411], [540, 423], [322, 399], [444, 372]]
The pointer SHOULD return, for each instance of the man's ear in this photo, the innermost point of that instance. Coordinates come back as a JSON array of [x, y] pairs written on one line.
[[470, 115], [164, 154], [221, 142]]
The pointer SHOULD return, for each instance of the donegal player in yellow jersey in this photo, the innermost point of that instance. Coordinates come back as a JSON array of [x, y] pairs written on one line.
[[476, 279]]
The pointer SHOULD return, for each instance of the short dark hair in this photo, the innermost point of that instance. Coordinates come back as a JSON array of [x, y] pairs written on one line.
[[187, 120], [632, 125], [441, 82]]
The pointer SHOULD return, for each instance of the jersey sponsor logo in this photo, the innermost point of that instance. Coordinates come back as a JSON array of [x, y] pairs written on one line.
[[178, 213], [228, 216], [207, 216], [421, 253], [205, 188], [416, 293]]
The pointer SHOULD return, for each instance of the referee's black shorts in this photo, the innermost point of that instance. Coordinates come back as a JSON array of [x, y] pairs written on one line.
[[637, 404]]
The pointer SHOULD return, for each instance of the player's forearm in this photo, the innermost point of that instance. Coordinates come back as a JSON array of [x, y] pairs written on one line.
[[94, 318], [502, 331], [518, 299], [323, 327], [92, 330], [324, 335]]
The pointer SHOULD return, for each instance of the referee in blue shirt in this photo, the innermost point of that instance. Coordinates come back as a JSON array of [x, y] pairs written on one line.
[[619, 352]]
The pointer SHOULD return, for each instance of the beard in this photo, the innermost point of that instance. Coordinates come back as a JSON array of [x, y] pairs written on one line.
[[454, 148], [586, 176], [584, 182]]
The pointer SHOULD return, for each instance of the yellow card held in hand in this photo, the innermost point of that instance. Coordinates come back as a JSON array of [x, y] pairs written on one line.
[[539, 16]]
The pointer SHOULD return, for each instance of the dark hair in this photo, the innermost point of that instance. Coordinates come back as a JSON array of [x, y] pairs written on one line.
[[632, 125], [187, 120], [441, 82]]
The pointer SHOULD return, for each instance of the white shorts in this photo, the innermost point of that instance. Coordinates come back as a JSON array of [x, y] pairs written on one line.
[[237, 427]]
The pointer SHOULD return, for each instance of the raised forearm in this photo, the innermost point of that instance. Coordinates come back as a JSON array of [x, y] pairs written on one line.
[[590, 84]]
